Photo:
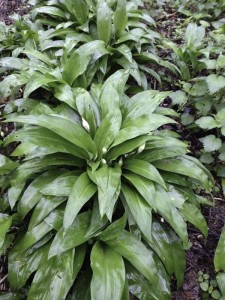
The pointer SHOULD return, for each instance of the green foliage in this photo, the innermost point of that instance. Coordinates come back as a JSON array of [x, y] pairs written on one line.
[[208, 286], [98, 190], [87, 170]]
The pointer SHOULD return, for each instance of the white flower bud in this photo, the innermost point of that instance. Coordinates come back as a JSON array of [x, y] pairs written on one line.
[[120, 163], [104, 161], [85, 125], [104, 150], [141, 148]]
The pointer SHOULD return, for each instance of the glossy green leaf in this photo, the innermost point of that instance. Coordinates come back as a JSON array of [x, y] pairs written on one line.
[[62, 185], [167, 210], [80, 11], [107, 132], [81, 59], [169, 249], [5, 223], [114, 229], [37, 81], [96, 223], [108, 273], [144, 186], [73, 237], [55, 277], [82, 191], [140, 287], [142, 102], [126, 147], [50, 10], [107, 180], [140, 126], [42, 139], [88, 109], [193, 215], [32, 195], [183, 166], [144, 169], [219, 262], [7, 165], [21, 266], [62, 126], [141, 258], [109, 100], [221, 283], [104, 22], [45, 206], [140, 210], [120, 18]]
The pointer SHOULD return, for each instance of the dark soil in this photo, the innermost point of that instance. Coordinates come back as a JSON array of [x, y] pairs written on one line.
[[200, 256]]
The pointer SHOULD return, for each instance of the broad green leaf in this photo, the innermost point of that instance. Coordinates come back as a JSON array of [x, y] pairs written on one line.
[[109, 101], [207, 122], [38, 55], [42, 138], [140, 126], [219, 261], [62, 126], [107, 180], [108, 273], [118, 81], [178, 97], [211, 143], [163, 153], [144, 186], [144, 169], [126, 147], [96, 222], [193, 215], [169, 249], [80, 10], [73, 237], [21, 266], [44, 207], [81, 59], [104, 22], [114, 229], [215, 83], [87, 109], [31, 237], [140, 287], [166, 208], [221, 283], [62, 185], [36, 81], [120, 18], [7, 165], [13, 63], [50, 10], [32, 195], [183, 166], [107, 132], [141, 211], [5, 223], [141, 258], [142, 103], [82, 191], [194, 35], [55, 277]]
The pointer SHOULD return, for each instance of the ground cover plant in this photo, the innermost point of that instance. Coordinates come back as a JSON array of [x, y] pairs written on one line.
[[98, 181]]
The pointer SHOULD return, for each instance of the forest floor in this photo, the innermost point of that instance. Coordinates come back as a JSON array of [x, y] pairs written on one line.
[[200, 256]]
